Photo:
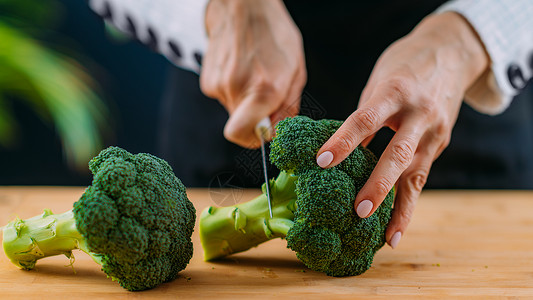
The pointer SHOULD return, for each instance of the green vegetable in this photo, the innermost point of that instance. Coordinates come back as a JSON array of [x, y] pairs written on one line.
[[313, 208], [135, 220]]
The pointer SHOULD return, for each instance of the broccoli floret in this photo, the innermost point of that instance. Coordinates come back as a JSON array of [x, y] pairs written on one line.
[[313, 208], [134, 219]]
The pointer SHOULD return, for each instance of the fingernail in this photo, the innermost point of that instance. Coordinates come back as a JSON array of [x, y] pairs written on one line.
[[395, 239], [364, 208], [324, 159]]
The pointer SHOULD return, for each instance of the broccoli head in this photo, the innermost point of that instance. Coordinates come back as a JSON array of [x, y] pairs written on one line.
[[135, 220], [313, 208]]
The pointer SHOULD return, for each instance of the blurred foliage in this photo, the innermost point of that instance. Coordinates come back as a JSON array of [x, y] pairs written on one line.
[[50, 83]]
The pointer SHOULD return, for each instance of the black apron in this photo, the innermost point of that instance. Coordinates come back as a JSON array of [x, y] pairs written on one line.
[[342, 41]]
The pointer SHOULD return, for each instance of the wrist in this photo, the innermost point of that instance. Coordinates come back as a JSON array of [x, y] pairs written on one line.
[[240, 12], [459, 41], [215, 11]]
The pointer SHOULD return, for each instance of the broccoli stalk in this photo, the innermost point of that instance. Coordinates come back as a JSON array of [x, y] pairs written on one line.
[[135, 220], [42, 236], [227, 230], [313, 208]]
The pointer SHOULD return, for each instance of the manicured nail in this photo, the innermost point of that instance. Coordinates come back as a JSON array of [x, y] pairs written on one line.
[[324, 159], [364, 208], [395, 239]]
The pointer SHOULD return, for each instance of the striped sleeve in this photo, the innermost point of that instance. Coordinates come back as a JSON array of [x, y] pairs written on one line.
[[174, 28], [506, 30]]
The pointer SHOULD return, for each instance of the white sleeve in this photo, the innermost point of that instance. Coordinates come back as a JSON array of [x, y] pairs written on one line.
[[506, 30], [174, 28]]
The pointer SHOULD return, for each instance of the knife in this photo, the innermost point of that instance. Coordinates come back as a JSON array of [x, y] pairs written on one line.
[[263, 129]]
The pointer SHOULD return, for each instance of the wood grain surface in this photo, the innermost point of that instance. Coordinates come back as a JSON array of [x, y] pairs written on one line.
[[460, 244]]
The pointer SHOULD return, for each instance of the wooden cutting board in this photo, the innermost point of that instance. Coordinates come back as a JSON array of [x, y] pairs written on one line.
[[465, 244]]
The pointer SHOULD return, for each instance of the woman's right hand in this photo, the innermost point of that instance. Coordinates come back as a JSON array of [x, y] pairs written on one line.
[[254, 64]]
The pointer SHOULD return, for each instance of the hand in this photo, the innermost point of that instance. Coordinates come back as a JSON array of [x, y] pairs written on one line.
[[254, 64], [416, 89]]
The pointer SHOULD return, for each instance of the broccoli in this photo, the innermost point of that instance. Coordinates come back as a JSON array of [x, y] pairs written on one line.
[[313, 208], [135, 220]]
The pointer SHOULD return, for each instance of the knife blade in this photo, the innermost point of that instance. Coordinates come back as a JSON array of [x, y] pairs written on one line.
[[263, 129]]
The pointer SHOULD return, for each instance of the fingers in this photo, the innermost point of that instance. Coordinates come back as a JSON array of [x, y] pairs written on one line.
[[240, 127], [365, 95], [278, 102], [286, 110], [361, 124], [291, 106], [408, 190], [396, 158], [367, 140], [254, 89]]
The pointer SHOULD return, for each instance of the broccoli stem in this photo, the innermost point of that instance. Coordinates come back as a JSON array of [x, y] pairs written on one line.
[[26, 241], [280, 226], [232, 229]]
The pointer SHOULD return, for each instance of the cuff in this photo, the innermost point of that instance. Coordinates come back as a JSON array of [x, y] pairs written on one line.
[[504, 27], [174, 28]]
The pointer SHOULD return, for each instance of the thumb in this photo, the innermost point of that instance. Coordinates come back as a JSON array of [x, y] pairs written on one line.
[[240, 127]]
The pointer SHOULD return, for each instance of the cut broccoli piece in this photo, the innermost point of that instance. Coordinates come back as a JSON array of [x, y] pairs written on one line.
[[135, 220]]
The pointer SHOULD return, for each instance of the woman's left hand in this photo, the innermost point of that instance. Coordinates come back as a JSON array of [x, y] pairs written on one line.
[[416, 89]]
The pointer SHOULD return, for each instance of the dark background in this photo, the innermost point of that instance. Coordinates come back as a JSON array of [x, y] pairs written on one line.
[[131, 78], [140, 88]]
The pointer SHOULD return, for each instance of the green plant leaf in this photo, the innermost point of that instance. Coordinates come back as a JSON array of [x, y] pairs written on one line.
[[57, 89], [8, 127], [38, 13]]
